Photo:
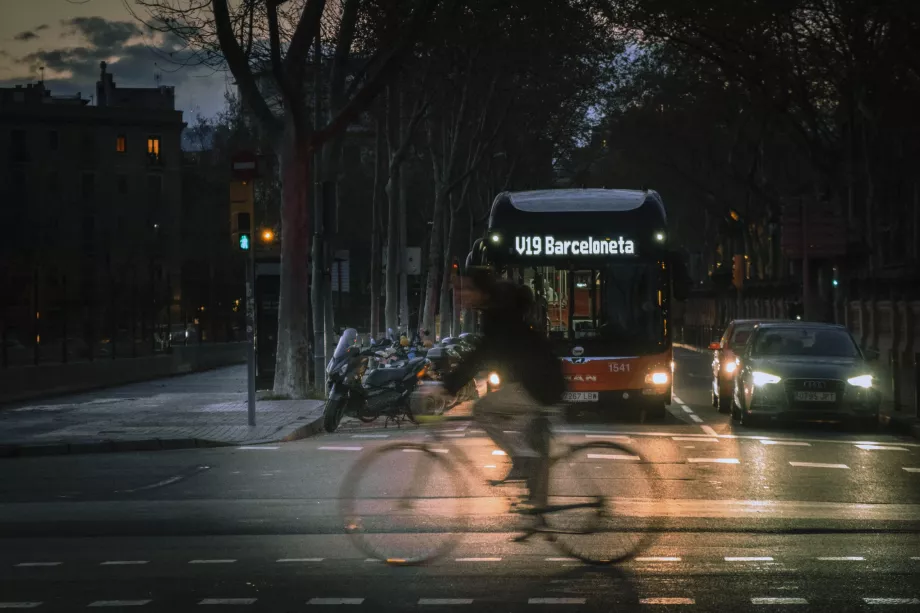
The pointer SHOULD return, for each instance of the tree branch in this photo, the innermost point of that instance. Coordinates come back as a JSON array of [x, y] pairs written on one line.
[[390, 63], [239, 67], [299, 46]]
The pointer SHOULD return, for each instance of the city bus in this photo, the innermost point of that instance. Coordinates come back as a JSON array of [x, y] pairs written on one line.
[[603, 276]]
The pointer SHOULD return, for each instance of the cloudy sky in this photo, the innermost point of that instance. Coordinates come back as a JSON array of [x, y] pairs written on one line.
[[70, 37]]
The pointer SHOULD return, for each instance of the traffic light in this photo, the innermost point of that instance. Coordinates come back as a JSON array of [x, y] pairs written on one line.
[[244, 228]]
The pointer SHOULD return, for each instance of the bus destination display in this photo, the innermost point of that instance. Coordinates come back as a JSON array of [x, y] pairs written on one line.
[[547, 245]]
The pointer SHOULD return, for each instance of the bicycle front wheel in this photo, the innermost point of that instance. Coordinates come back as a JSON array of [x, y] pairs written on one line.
[[403, 503], [600, 504]]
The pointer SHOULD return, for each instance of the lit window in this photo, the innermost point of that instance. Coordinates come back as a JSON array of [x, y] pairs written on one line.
[[153, 147], [121, 143]]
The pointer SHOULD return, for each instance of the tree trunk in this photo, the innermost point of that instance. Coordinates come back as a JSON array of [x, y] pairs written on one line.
[[434, 260], [379, 158], [403, 273], [391, 309], [445, 302], [291, 356]]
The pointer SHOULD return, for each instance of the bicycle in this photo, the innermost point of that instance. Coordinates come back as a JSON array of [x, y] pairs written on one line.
[[438, 491]]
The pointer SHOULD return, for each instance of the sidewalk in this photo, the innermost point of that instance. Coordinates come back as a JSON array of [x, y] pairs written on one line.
[[206, 409]]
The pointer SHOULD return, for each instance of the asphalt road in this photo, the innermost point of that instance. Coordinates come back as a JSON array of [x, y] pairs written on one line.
[[815, 517]]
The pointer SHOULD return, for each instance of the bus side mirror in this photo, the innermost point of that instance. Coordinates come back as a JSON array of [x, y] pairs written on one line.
[[680, 280]]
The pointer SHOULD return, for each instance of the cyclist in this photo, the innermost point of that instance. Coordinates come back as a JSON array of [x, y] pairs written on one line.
[[531, 374]]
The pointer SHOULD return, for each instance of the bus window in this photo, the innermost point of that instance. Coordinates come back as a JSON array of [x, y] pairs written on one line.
[[619, 305]]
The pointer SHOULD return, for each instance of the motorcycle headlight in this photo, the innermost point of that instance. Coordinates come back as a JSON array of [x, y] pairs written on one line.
[[864, 381], [763, 378], [494, 379], [730, 367]]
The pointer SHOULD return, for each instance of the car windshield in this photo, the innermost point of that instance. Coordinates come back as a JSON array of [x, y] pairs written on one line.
[[740, 337], [804, 341]]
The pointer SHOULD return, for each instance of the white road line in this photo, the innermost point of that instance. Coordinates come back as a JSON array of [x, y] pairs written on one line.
[[36, 564], [370, 436], [709, 430], [714, 460], [444, 601], [20, 605], [227, 601], [658, 559], [766, 441], [911, 470], [257, 447], [478, 560], [611, 456], [561, 559], [119, 603], [499, 452], [123, 562], [778, 601], [420, 450], [891, 600], [614, 437], [341, 448], [328, 601], [842, 558], [293, 560], [696, 418], [667, 601], [880, 448], [696, 439], [741, 437], [749, 559], [456, 435], [556, 601], [687, 409], [211, 561], [677, 400], [818, 465]]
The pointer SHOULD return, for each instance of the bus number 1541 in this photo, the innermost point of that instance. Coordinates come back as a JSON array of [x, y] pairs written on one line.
[[619, 367]]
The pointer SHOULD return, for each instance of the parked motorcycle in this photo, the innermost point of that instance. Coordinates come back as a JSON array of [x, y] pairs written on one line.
[[368, 394]]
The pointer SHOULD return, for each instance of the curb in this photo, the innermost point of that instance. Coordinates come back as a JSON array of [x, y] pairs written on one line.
[[902, 424], [14, 450]]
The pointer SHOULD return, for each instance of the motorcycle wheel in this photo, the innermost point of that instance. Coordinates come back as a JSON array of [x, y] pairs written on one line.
[[367, 417], [333, 413]]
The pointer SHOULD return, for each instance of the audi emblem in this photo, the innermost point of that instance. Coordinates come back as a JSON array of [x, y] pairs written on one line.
[[815, 385]]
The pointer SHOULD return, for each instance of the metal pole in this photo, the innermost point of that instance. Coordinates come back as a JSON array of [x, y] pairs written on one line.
[[250, 338], [917, 384], [36, 319], [806, 276]]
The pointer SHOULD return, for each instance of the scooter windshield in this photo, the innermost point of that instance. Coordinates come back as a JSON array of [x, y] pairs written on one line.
[[348, 339]]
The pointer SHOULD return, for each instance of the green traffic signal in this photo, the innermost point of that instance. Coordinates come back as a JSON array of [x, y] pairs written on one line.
[[244, 242]]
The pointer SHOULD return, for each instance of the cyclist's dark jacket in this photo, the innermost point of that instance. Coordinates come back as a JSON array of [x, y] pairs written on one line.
[[514, 349]]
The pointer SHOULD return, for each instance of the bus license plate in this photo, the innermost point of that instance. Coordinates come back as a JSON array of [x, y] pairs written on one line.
[[580, 396], [816, 396]]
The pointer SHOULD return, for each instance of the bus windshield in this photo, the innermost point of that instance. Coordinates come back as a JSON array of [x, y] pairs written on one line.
[[618, 308]]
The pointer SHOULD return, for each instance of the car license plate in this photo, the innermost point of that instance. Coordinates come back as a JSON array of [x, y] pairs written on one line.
[[580, 396], [816, 396]]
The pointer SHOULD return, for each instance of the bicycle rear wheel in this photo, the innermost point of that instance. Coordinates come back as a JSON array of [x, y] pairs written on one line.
[[622, 490], [403, 503]]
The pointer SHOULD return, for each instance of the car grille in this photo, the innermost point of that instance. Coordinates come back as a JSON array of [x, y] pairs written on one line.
[[814, 385]]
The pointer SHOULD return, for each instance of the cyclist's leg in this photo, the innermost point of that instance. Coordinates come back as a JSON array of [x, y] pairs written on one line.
[[505, 415]]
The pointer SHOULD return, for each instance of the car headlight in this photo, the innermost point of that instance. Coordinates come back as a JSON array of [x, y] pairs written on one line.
[[494, 379], [763, 378], [657, 378], [861, 381], [730, 367]]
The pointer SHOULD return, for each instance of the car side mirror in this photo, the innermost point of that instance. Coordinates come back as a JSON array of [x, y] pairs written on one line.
[[715, 345], [872, 355]]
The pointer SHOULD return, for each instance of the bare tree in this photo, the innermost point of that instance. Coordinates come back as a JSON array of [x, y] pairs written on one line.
[[266, 46]]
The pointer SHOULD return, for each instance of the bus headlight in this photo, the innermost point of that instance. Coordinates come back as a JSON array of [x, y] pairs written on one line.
[[657, 378]]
